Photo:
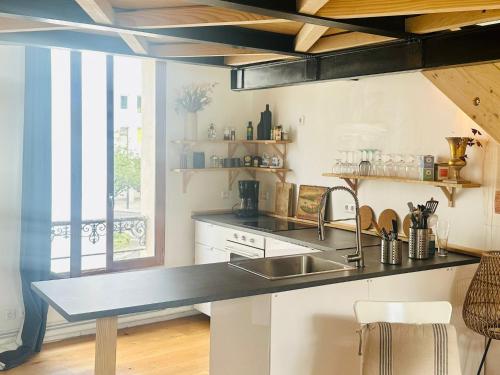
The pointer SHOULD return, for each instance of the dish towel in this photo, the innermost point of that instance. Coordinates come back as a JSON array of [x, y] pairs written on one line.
[[409, 349]]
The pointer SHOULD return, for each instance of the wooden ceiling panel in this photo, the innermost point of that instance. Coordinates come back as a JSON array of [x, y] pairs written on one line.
[[196, 50], [253, 59], [285, 27], [346, 40], [186, 17], [429, 23], [148, 4], [378, 8]]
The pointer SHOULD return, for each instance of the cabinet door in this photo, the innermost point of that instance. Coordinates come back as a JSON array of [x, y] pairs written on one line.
[[313, 331], [210, 234], [276, 248], [204, 254]]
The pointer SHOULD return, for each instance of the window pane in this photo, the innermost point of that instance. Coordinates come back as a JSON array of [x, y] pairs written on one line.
[[94, 170], [134, 163], [61, 161]]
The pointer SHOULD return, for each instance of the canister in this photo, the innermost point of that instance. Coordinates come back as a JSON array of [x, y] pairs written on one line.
[[418, 243]]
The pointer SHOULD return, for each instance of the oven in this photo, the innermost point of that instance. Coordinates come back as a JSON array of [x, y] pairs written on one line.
[[242, 245]]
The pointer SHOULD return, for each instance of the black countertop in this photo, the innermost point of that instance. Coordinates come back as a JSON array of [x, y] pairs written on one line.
[[107, 295], [335, 239]]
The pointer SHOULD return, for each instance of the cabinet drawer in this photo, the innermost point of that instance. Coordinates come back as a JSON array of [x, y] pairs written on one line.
[[210, 234]]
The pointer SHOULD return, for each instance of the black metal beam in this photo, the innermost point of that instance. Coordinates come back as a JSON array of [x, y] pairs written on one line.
[[286, 9], [472, 46], [92, 42], [68, 13]]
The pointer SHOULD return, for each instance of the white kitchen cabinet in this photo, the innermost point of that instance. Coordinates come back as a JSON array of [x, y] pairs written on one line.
[[204, 254], [313, 331], [275, 248], [210, 234]]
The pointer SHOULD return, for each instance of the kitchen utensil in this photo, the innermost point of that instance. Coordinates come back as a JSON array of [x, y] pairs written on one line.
[[366, 217], [385, 219], [384, 234], [406, 224], [418, 243], [411, 206], [395, 229], [284, 199], [391, 252], [432, 221], [431, 205]]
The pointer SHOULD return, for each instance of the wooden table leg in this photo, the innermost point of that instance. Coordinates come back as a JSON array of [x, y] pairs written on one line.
[[105, 346]]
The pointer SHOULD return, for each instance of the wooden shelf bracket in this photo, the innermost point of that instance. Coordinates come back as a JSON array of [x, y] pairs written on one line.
[[186, 177], [353, 184], [449, 192]]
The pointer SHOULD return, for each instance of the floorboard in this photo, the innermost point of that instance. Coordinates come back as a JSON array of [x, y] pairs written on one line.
[[179, 346]]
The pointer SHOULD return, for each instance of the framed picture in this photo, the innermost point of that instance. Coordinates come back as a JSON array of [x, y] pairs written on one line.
[[308, 202]]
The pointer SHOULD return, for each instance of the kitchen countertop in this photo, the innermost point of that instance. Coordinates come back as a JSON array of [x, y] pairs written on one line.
[[115, 294], [335, 239]]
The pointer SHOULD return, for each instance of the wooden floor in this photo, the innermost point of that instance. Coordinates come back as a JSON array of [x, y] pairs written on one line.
[[179, 347]]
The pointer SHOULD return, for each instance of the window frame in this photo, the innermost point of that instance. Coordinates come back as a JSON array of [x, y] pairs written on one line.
[[76, 176]]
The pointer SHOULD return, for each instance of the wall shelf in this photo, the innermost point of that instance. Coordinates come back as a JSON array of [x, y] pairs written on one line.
[[187, 173], [252, 147], [448, 188]]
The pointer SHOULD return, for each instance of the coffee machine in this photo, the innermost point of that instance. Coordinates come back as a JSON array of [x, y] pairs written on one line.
[[249, 198]]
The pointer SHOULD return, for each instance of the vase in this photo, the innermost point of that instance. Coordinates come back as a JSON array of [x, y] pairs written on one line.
[[191, 126], [458, 147]]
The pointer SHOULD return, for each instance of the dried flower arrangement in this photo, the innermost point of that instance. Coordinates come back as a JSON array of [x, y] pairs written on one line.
[[193, 98], [473, 141]]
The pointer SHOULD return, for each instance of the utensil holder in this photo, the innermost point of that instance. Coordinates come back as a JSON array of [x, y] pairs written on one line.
[[418, 243], [391, 252]]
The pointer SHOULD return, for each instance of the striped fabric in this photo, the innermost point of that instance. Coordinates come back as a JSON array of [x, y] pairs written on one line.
[[409, 349]]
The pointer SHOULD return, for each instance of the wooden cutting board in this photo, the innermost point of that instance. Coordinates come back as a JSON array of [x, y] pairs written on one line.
[[385, 219], [406, 225], [366, 217], [284, 199]]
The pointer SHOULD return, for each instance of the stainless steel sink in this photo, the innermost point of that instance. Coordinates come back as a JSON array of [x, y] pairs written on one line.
[[277, 268]]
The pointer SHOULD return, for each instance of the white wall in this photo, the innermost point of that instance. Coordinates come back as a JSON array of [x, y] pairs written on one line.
[[11, 121], [204, 192], [401, 113]]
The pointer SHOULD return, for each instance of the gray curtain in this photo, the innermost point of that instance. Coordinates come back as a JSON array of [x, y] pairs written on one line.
[[36, 202]]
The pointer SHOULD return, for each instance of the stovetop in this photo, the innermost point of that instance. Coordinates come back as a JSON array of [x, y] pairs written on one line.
[[269, 224]]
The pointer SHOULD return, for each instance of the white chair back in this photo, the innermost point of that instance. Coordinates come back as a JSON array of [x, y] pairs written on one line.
[[403, 312]]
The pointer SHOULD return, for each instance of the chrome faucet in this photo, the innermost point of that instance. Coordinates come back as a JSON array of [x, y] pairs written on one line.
[[358, 256]]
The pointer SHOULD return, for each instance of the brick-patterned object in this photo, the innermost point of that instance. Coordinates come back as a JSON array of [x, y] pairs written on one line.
[[481, 311]]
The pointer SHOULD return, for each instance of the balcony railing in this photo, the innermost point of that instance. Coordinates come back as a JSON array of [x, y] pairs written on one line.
[[95, 230]]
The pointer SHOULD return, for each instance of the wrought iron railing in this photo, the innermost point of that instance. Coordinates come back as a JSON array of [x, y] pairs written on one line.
[[94, 230]]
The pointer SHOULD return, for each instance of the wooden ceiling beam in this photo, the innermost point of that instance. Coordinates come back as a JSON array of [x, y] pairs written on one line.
[[380, 8], [102, 12], [195, 50], [309, 34], [346, 40], [189, 17], [429, 23]]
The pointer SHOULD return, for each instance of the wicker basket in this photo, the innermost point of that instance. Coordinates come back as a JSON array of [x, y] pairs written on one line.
[[481, 310]]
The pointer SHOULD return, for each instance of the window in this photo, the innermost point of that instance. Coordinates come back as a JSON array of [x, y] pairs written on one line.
[[123, 102], [108, 179], [139, 104]]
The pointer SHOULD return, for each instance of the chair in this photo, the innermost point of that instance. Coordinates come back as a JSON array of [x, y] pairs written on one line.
[[407, 338]]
